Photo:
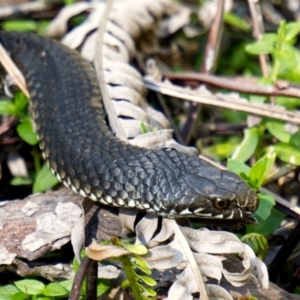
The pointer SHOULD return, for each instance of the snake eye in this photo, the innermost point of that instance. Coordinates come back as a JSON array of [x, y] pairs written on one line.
[[220, 203]]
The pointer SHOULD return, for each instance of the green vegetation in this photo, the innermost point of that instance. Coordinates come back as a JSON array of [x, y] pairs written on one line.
[[31, 289], [40, 176]]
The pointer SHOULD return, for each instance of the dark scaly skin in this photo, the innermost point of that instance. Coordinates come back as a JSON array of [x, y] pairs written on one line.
[[84, 155]]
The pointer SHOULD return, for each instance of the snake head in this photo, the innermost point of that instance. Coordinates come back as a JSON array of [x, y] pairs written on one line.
[[214, 194], [228, 198]]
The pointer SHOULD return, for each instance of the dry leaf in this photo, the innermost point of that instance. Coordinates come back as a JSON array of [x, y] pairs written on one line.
[[164, 257], [210, 265], [58, 27], [206, 241], [145, 229], [164, 234], [101, 252], [127, 218]]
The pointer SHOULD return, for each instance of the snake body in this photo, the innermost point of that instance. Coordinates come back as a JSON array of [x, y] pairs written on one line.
[[86, 157]]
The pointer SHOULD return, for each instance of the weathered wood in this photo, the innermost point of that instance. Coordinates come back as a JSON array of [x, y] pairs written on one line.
[[38, 224]]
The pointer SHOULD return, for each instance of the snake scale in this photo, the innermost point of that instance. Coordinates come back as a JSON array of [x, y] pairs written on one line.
[[86, 157]]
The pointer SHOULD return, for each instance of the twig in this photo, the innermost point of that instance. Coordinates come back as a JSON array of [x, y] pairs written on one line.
[[209, 62], [91, 281], [224, 101], [79, 278], [257, 33], [237, 84]]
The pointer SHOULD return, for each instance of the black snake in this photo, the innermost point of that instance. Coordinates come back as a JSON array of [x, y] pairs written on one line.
[[84, 155]]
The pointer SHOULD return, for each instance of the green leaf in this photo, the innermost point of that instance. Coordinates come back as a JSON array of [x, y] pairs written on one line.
[[288, 102], [247, 179], [9, 289], [140, 263], [7, 297], [146, 279], [264, 46], [125, 284], [237, 167], [144, 128], [30, 286], [268, 226], [138, 249], [261, 168], [287, 153], [258, 243], [20, 100], [43, 27], [19, 296], [295, 140], [292, 29], [7, 108], [19, 25], [27, 134], [281, 31], [148, 290], [277, 129], [67, 284], [68, 2], [20, 181], [220, 151], [248, 145], [44, 180], [287, 59], [54, 289], [293, 74], [11, 292], [234, 20], [103, 285], [267, 203]]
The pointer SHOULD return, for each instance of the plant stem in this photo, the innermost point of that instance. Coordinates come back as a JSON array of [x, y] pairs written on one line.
[[36, 160], [275, 70], [131, 278]]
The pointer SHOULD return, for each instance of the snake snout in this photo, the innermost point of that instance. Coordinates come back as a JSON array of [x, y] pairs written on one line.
[[251, 201]]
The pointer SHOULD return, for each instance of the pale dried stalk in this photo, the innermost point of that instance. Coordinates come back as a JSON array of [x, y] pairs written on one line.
[[13, 71], [252, 108]]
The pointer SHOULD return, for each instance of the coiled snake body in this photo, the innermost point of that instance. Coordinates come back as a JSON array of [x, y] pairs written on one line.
[[83, 154]]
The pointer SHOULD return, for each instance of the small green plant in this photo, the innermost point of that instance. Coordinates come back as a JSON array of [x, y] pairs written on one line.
[[258, 243], [267, 216], [279, 46], [255, 147], [133, 266], [31, 289], [145, 129], [42, 178]]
